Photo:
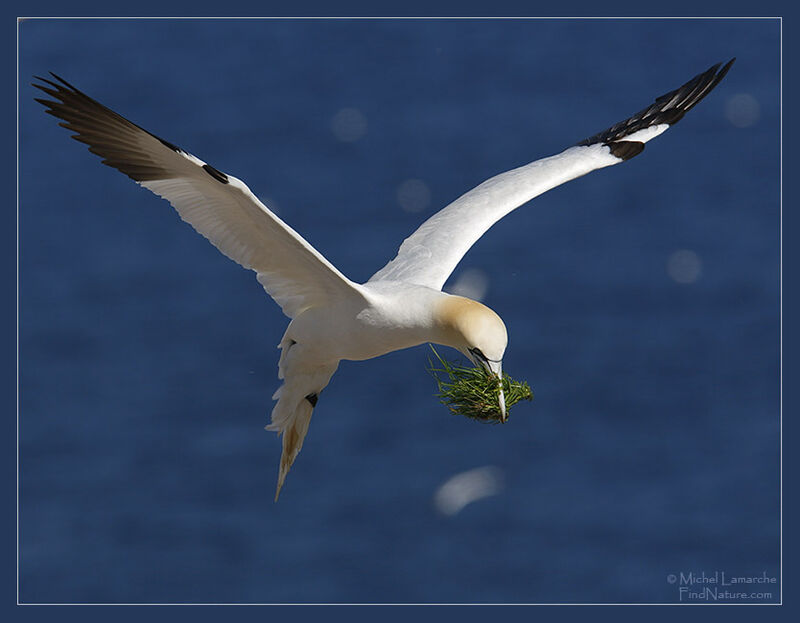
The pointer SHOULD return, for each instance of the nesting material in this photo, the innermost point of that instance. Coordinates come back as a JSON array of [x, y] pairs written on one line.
[[473, 392]]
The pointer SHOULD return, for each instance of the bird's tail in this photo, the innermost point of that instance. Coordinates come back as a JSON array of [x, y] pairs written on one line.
[[293, 427], [296, 398]]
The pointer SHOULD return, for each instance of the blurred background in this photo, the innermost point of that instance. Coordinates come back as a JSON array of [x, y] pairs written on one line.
[[641, 303]]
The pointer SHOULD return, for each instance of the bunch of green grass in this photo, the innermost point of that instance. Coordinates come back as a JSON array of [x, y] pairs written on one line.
[[473, 392]]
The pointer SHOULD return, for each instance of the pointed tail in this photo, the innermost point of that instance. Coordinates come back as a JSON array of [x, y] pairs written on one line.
[[293, 435], [296, 398]]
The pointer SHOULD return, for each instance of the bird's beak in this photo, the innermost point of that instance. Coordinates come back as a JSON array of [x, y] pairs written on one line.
[[495, 368]]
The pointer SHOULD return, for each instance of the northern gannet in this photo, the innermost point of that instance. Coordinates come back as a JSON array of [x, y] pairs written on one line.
[[333, 318]]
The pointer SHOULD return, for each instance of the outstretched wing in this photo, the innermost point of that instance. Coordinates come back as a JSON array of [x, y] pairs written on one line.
[[219, 206], [432, 252]]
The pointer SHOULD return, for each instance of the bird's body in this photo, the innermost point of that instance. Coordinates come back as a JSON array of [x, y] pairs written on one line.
[[333, 318], [388, 316], [385, 317]]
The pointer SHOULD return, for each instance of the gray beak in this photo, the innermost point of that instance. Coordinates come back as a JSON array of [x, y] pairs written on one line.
[[495, 368]]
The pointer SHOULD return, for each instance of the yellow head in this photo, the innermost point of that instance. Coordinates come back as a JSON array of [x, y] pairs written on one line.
[[472, 328], [476, 331]]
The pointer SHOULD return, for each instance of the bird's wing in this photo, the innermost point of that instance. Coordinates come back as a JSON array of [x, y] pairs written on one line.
[[219, 206], [432, 252]]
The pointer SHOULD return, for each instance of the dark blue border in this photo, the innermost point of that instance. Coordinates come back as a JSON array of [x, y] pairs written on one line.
[[410, 7]]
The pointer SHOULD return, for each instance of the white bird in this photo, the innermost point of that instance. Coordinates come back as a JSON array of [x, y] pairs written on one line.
[[333, 318]]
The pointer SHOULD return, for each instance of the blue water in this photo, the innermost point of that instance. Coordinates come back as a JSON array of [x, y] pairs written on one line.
[[147, 359]]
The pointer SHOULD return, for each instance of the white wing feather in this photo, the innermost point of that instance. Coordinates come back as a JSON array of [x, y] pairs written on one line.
[[431, 253], [220, 207]]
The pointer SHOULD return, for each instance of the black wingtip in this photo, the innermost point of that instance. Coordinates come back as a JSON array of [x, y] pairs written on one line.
[[45, 81], [54, 89], [667, 109], [712, 78], [62, 81], [64, 86], [725, 69], [69, 95]]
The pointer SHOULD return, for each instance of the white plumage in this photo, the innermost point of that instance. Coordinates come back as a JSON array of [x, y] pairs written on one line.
[[333, 318]]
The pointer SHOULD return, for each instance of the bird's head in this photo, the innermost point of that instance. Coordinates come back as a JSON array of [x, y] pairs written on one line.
[[476, 331]]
